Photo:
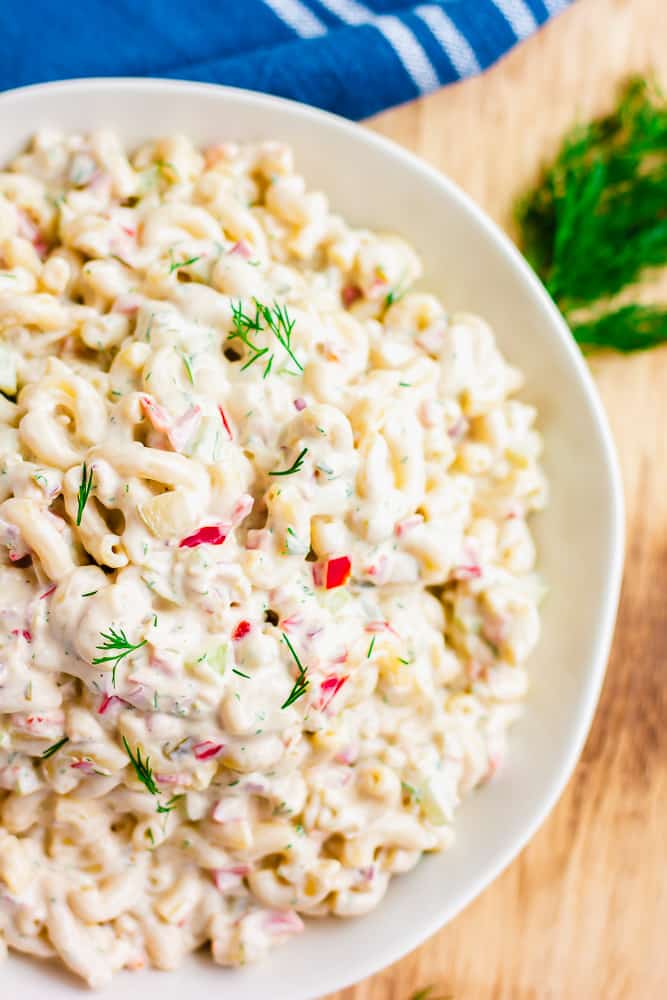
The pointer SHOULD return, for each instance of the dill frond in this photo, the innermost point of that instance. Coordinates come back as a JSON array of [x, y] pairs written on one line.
[[597, 220]]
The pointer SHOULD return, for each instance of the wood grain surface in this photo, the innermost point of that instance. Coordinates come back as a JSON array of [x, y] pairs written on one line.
[[582, 912]]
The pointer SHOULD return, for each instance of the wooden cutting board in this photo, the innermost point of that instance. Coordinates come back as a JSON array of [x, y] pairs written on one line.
[[582, 913]]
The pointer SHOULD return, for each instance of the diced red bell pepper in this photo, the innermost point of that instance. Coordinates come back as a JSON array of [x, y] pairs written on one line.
[[225, 423], [210, 534], [110, 699], [332, 573], [241, 630]]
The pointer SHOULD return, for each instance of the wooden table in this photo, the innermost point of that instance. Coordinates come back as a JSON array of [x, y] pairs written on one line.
[[582, 912]]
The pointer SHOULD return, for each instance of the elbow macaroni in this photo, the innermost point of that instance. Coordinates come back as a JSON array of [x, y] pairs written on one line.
[[236, 449]]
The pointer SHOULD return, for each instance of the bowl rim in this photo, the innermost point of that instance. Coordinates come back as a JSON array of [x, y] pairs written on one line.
[[417, 933]]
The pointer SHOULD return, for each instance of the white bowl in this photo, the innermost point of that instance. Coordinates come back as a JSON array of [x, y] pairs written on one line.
[[473, 266]]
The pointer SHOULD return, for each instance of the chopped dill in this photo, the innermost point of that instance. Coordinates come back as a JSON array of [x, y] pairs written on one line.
[[144, 773], [171, 804], [175, 265], [411, 790], [395, 294], [274, 319], [119, 646], [295, 467], [302, 683], [84, 491], [142, 768], [55, 748], [244, 325], [187, 363]]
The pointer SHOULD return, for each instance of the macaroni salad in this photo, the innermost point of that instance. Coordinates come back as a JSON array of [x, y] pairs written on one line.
[[266, 581]]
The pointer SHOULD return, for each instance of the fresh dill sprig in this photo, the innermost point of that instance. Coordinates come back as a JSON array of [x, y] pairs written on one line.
[[631, 328], [84, 491], [296, 465], [55, 748], [597, 220], [302, 683], [274, 319], [144, 772], [278, 321], [142, 768], [119, 646], [244, 325]]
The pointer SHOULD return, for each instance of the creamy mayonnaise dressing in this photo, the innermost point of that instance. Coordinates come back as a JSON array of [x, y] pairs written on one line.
[[266, 583]]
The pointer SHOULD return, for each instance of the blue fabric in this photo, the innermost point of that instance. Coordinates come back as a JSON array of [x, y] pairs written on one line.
[[343, 55]]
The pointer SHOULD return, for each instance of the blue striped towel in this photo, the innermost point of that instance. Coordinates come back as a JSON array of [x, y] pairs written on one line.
[[344, 55]]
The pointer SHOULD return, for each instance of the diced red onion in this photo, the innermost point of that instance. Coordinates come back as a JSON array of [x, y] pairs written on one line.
[[207, 749]]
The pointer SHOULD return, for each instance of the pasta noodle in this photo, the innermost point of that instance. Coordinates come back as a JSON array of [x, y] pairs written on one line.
[[267, 587]]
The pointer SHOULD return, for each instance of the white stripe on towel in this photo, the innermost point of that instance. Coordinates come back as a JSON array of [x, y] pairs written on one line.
[[410, 52], [298, 17], [403, 41], [456, 45], [518, 15], [349, 10]]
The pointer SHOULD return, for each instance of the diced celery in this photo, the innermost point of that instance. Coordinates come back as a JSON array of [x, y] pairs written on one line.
[[217, 657], [207, 445]]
